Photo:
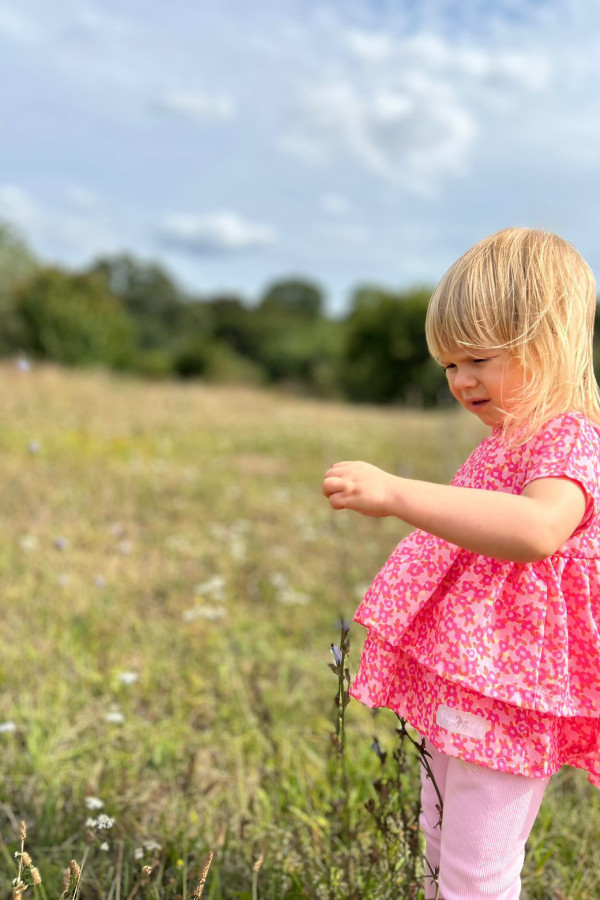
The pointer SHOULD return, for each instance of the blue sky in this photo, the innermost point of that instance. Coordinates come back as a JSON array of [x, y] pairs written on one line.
[[350, 142]]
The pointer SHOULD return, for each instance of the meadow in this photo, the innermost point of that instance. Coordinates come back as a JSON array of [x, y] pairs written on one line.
[[172, 581]]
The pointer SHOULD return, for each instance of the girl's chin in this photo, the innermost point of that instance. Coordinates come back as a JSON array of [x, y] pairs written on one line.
[[488, 414]]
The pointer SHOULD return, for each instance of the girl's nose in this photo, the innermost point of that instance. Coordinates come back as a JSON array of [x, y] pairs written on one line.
[[464, 379]]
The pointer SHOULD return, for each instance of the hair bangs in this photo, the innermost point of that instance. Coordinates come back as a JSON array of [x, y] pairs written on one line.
[[464, 313]]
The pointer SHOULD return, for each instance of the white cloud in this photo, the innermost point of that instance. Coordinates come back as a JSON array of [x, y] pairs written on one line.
[[334, 204], [75, 234], [412, 107], [347, 234], [310, 149], [80, 237], [224, 231], [532, 71], [198, 105], [81, 198], [369, 47], [94, 20], [17, 27], [402, 134], [17, 207]]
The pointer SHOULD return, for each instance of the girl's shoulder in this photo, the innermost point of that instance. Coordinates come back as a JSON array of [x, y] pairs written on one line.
[[571, 430], [568, 444]]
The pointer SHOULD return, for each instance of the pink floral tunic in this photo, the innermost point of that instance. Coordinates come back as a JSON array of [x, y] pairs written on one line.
[[497, 662]]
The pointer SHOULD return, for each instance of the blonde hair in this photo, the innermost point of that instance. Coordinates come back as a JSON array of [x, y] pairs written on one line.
[[530, 293]]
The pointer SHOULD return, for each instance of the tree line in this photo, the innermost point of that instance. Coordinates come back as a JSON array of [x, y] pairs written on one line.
[[130, 315]]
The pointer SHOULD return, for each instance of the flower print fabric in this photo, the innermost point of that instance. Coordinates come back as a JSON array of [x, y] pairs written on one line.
[[514, 646]]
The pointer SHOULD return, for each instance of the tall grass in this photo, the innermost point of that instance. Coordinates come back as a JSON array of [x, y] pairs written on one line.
[[172, 582]]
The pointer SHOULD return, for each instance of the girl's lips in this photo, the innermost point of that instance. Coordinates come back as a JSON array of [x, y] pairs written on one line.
[[477, 404]]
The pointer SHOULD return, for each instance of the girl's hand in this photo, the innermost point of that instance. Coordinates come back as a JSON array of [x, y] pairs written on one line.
[[359, 486]]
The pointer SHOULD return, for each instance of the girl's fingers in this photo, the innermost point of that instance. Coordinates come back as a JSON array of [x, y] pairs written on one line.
[[332, 485], [336, 469], [336, 501]]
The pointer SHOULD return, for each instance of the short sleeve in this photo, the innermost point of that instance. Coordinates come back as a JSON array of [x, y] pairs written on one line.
[[569, 447]]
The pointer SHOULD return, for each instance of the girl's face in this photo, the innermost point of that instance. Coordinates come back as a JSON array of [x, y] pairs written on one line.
[[486, 382]]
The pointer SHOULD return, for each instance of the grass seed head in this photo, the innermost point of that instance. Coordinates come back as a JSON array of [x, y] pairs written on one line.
[[23, 830], [26, 858], [75, 869], [199, 889], [35, 875]]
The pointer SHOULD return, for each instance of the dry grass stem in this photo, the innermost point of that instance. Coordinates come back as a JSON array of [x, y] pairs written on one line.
[[198, 890]]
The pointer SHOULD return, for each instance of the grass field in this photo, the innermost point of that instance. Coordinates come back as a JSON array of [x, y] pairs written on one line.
[[172, 581]]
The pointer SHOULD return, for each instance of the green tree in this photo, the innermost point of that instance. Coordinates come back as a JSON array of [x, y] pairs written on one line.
[[385, 357], [298, 344], [73, 319], [149, 295], [17, 266], [295, 297], [235, 324]]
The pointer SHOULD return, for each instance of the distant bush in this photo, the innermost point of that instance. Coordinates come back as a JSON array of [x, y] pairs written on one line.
[[386, 359], [18, 265], [74, 320], [215, 361], [154, 363]]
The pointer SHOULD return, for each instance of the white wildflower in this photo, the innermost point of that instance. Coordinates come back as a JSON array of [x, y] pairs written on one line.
[[138, 853], [291, 597], [279, 580], [237, 548], [102, 823], [128, 677], [7, 727], [94, 803], [151, 845], [28, 542], [214, 588], [22, 364], [99, 581], [213, 585], [104, 846], [210, 613], [34, 446], [114, 716]]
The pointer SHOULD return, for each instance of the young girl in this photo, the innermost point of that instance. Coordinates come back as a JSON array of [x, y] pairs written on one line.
[[484, 624]]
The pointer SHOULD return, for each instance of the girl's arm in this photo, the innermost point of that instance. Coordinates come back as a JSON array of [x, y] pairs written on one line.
[[522, 528]]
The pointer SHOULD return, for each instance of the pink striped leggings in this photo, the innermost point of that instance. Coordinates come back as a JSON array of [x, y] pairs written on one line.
[[487, 819]]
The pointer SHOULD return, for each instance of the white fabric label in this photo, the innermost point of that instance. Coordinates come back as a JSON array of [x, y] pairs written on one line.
[[459, 722]]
